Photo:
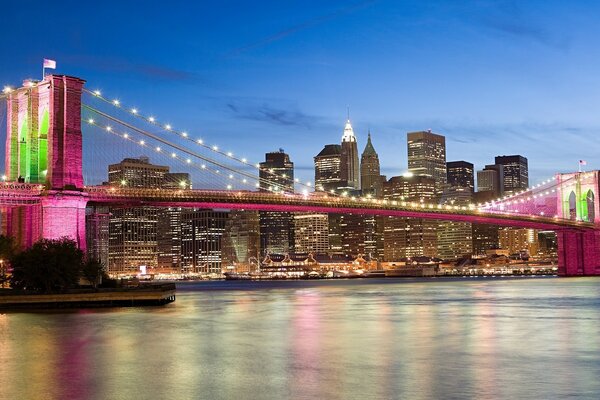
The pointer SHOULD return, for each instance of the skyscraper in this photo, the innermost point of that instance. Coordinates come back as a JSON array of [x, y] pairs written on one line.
[[409, 237], [328, 168], [460, 174], [276, 228], [371, 181], [515, 173], [454, 239], [311, 233], [490, 180], [276, 173], [132, 230], [168, 227], [427, 157], [350, 170], [201, 237], [241, 241]]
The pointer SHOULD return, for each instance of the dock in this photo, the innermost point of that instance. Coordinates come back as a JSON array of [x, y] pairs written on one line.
[[144, 295]]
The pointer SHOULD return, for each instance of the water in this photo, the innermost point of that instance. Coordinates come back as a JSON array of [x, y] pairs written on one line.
[[533, 338]]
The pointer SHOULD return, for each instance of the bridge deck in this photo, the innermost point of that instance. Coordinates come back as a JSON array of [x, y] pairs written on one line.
[[319, 203]]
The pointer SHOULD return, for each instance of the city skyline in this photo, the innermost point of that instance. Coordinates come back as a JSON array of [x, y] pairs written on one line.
[[275, 83]]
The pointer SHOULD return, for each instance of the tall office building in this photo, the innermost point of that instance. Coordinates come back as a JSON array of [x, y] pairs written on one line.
[[519, 241], [276, 173], [241, 241], [201, 237], [349, 167], [490, 180], [356, 234], [515, 173], [371, 181], [485, 236], [276, 228], [427, 157], [311, 233], [97, 220], [454, 239], [328, 168], [460, 174], [168, 226], [515, 178], [132, 231], [409, 237]]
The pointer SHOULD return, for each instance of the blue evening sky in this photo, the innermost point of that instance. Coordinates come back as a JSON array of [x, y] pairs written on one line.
[[494, 77]]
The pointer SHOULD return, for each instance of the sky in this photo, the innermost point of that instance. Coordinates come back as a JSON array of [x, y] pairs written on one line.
[[494, 77]]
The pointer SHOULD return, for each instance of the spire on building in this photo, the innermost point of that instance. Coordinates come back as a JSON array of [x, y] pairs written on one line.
[[369, 149], [348, 133]]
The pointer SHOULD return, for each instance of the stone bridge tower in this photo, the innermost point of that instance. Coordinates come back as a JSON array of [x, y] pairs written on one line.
[[44, 146]]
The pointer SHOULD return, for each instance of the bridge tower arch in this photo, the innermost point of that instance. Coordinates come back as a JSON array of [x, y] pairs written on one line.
[[577, 193], [578, 252]]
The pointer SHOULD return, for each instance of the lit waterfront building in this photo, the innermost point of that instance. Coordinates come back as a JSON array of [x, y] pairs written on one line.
[[548, 244], [485, 236], [349, 167], [241, 241], [168, 227], [361, 235], [427, 157], [328, 168], [201, 237], [276, 174], [133, 231], [371, 181], [311, 233], [515, 178], [515, 173], [409, 237], [454, 239], [519, 240], [97, 221]]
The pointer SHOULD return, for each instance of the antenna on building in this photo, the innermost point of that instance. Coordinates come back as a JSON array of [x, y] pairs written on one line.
[[348, 109]]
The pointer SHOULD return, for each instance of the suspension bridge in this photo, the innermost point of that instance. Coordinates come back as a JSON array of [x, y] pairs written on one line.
[[43, 193]]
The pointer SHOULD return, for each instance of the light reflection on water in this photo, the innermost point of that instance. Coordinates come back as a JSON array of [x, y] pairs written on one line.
[[478, 338]]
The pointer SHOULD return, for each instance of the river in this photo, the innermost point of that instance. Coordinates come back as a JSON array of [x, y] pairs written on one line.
[[516, 338]]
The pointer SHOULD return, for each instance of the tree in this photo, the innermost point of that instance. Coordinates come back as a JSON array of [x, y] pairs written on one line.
[[7, 250], [92, 270], [50, 265]]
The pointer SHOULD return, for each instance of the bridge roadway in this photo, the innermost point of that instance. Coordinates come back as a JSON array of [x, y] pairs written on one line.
[[248, 200]]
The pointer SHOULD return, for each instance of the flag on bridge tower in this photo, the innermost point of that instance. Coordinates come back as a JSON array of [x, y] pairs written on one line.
[[582, 162], [51, 64]]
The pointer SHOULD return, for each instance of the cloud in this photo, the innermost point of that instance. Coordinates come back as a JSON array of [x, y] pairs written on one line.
[[115, 64], [304, 25], [507, 19], [272, 115], [524, 30]]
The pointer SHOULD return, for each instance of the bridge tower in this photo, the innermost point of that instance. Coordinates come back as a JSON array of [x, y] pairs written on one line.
[[578, 251], [44, 145]]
